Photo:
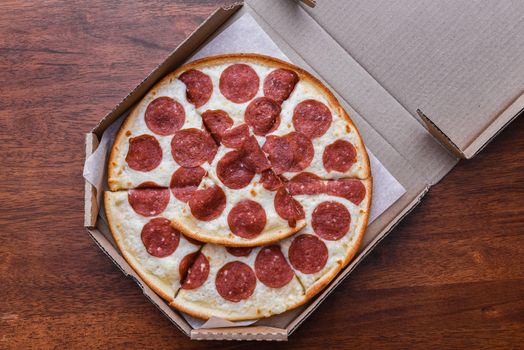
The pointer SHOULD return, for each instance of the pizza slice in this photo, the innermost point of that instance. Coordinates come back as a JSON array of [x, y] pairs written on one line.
[[315, 135], [336, 212], [139, 220], [239, 284], [244, 217]]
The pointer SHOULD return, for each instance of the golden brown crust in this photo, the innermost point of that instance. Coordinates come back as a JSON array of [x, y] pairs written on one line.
[[152, 281], [228, 243]]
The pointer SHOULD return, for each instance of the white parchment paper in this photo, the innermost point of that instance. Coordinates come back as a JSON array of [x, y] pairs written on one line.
[[244, 35]]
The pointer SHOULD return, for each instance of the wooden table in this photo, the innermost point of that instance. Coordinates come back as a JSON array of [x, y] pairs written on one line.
[[451, 275]]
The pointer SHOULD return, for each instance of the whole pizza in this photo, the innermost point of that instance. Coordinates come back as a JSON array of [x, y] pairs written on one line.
[[239, 187]]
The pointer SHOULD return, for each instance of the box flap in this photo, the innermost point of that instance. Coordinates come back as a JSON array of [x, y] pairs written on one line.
[[459, 62]]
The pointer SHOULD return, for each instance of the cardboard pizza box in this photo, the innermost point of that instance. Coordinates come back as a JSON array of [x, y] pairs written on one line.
[[426, 83]]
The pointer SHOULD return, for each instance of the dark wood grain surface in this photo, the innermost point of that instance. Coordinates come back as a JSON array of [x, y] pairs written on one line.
[[451, 275]]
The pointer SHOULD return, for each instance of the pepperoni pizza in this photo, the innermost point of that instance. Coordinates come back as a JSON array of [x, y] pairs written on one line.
[[256, 159]]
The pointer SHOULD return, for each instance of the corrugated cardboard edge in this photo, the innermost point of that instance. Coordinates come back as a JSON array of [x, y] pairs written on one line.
[[90, 202], [240, 333], [310, 3], [440, 135], [515, 109], [361, 256]]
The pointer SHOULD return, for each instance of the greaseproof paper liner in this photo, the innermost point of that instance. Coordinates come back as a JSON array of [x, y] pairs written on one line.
[[244, 35]]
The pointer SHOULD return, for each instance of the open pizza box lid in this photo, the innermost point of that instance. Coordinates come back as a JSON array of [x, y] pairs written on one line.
[[426, 84]]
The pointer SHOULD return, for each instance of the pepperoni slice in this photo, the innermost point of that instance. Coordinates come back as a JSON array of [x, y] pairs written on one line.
[[185, 264], [239, 251], [235, 281], [339, 156], [305, 183], [330, 220], [263, 115], [148, 201], [270, 180], [232, 171], [239, 83], [144, 153], [253, 157], [287, 207], [279, 84], [292, 152], [312, 118], [247, 219], [207, 204], [159, 238], [217, 122], [198, 86], [164, 116], [192, 147], [185, 181], [350, 189], [235, 138], [272, 268], [308, 254], [197, 272]]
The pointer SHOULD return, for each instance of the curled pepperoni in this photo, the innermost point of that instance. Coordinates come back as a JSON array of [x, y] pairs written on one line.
[[253, 157], [339, 156], [330, 220], [217, 122], [159, 238], [192, 147], [207, 204], [185, 264], [144, 153], [235, 281], [279, 84], [239, 83], [148, 184], [305, 183], [308, 254], [235, 137], [272, 268], [164, 116], [312, 118], [239, 251], [350, 189], [185, 181], [148, 201], [232, 171], [292, 152], [247, 219], [270, 180], [287, 207], [263, 115], [197, 272], [198, 86]]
